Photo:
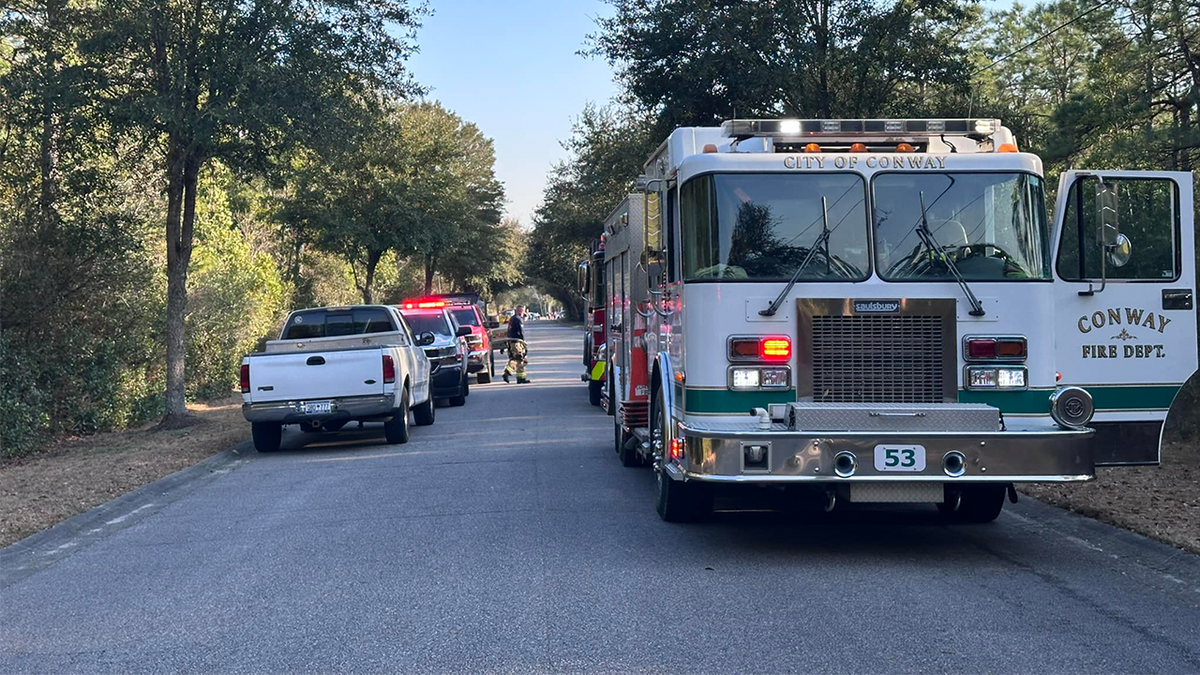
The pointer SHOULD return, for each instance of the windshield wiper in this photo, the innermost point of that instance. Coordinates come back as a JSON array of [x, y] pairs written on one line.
[[926, 237], [822, 239]]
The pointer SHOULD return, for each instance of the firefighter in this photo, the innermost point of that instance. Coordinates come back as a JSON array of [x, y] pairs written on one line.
[[516, 347]]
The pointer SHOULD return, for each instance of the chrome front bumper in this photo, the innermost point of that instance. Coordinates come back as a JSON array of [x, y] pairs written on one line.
[[291, 412], [1040, 455]]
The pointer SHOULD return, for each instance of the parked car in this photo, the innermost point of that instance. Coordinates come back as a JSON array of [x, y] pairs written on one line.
[[447, 352], [333, 365], [480, 360]]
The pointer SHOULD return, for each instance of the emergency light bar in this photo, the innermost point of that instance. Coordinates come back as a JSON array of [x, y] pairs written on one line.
[[805, 128]]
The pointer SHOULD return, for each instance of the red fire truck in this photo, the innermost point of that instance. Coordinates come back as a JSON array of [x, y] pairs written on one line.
[[591, 287], [627, 395]]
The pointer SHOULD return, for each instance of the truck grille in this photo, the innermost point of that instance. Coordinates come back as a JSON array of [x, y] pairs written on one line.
[[879, 359]]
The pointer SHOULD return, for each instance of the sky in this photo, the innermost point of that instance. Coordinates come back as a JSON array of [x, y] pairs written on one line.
[[510, 67]]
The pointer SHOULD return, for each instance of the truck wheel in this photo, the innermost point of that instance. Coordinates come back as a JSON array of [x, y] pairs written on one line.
[[424, 414], [267, 435], [466, 387], [682, 502], [678, 501], [977, 503], [483, 377], [492, 360], [395, 430], [461, 399], [594, 392]]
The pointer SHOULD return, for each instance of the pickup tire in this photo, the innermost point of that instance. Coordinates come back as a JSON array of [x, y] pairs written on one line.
[[461, 399], [595, 388], [424, 414], [395, 430], [267, 435], [483, 377]]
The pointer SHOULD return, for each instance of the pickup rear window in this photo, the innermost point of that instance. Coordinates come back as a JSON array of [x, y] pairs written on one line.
[[466, 316], [316, 323]]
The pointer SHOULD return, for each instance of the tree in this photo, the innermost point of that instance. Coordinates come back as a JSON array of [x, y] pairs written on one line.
[[605, 155], [238, 82], [697, 62], [417, 181]]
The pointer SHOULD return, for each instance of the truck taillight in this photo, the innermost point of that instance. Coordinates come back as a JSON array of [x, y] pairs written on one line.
[[775, 348], [389, 370], [992, 348], [756, 348], [245, 378]]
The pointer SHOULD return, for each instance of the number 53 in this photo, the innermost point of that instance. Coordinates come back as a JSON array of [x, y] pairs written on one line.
[[903, 457]]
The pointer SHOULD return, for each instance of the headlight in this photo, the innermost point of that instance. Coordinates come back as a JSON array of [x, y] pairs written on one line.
[[1010, 378], [760, 377]]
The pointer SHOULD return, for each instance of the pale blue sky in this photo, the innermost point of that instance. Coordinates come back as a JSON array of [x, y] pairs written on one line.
[[511, 67]]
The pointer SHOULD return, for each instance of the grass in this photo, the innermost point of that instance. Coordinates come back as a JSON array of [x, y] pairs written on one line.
[[73, 474]]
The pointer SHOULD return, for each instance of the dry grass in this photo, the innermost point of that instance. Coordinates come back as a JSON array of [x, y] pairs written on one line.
[[72, 475], [1162, 502]]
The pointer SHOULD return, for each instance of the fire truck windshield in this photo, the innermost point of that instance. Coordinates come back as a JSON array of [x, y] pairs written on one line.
[[992, 226], [760, 227]]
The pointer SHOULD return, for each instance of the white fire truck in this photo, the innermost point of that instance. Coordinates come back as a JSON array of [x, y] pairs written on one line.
[[879, 310]]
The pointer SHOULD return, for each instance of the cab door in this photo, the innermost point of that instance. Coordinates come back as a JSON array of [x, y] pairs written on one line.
[[1125, 317]]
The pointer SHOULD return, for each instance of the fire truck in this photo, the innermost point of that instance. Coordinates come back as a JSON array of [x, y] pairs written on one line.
[[880, 311], [591, 284]]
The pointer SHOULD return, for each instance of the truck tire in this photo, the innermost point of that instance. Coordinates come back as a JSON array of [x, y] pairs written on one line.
[[267, 435], [492, 362], [594, 389], [483, 377], [466, 386], [678, 501], [424, 414], [461, 399], [395, 430], [977, 503], [682, 501]]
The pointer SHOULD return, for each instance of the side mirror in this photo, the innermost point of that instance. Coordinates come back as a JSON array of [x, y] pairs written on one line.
[[463, 331], [426, 338], [1120, 252]]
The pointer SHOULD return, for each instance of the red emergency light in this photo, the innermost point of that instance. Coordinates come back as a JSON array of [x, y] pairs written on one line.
[[424, 304]]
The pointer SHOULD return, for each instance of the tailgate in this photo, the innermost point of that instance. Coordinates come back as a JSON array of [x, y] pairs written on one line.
[[316, 375]]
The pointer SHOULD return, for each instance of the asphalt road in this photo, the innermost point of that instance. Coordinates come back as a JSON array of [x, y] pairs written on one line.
[[507, 537]]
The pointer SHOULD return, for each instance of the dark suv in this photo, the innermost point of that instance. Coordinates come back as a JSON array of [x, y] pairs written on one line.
[[447, 353]]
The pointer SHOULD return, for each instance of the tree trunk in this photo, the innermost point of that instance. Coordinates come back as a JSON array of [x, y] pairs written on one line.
[[51, 119], [183, 175], [429, 262], [372, 262]]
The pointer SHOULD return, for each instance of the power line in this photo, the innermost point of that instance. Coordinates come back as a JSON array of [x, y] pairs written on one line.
[[1041, 37]]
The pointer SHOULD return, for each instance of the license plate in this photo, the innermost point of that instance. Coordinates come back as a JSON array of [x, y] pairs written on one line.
[[317, 407], [899, 458]]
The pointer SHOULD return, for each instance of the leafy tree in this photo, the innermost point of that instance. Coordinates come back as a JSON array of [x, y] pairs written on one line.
[[605, 154], [419, 181], [697, 62], [237, 82]]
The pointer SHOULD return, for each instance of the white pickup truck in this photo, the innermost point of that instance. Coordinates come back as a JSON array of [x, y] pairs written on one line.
[[333, 365]]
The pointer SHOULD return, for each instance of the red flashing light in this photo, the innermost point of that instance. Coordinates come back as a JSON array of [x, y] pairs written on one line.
[[245, 378], [676, 448], [775, 348], [424, 304], [389, 370]]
